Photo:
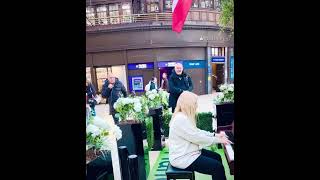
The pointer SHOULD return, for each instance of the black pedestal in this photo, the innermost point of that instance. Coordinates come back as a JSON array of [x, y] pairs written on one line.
[[132, 138], [156, 114]]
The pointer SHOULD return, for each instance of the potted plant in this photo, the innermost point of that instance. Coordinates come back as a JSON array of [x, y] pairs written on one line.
[[98, 141], [157, 101], [224, 102], [130, 111]]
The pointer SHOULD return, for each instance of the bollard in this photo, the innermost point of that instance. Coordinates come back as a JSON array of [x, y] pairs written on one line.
[[133, 167], [124, 163]]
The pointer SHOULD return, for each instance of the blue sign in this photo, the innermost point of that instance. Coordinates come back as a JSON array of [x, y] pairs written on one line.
[[231, 67], [136, 83], [218, 59], [194, 64], [140, 66], [163, 64]]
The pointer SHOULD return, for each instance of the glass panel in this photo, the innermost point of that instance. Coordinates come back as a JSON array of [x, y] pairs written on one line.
[[102, 74], [102, 14], [195, 3], [126, 12], [90, 16]]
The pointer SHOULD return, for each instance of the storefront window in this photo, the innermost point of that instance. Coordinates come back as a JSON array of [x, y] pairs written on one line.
[[114, 14], [90, 16], [102, 74], [126, 12], [102, 14]]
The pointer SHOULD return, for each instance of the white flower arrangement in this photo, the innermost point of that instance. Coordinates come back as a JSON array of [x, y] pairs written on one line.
[[137, 108], [154, 99], [98, 134], [128, 107], [226, 95], [164, 96]]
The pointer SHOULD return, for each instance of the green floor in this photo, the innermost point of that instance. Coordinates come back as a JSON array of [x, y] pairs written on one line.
[[158, 171]]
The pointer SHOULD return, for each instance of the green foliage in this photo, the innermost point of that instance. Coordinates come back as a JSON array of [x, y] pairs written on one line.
[[166, 119], [227, 14], [204, 121], [150, 134]]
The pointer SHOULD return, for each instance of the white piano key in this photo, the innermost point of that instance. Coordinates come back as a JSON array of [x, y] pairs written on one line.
[[230, 152]]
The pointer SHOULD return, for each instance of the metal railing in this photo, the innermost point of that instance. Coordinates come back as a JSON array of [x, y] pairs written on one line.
[[194, 16]]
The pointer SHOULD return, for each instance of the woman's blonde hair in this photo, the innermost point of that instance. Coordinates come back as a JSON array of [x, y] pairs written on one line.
[[187, 104]]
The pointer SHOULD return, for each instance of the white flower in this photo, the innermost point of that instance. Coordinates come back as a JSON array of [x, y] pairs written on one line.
[[106, 143], [223, 87], [136, 100], [102, 123], [118, 132], [93, 129], [154, 91], [137, 107], [151, 96]]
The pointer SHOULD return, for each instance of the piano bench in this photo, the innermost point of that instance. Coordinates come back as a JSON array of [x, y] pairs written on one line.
[[175, 173]]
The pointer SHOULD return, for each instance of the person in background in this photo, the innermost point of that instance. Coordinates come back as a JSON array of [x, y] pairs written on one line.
[[91, 94], [179, 81], [152, 84], [186, 140], [165, 83], [113, 89]]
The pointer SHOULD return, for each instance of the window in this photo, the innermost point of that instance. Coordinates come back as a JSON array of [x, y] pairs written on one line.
[[202, 3], [168, 4], [102, 75], [102, 14], [217, 5], [152, 6], [218, 51], [126, 12], [90, 16], [114, 14], [195, 3]]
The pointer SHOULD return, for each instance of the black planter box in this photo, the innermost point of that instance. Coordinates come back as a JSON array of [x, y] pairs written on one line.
[[157, 119], [132, 138], [225, 114]]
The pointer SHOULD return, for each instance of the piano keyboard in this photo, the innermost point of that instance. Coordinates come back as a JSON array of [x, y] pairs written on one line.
[[230, 152]]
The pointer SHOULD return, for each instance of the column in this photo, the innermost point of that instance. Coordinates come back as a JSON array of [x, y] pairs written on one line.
[[208, 76], [226, 65]]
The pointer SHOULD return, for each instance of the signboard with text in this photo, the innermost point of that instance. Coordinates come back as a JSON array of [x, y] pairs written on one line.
[[164, 64], [218, 59], [194, 64], [140, 66]]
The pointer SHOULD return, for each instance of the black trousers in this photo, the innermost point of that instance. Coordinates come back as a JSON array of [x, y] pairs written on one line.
[[209, 163]]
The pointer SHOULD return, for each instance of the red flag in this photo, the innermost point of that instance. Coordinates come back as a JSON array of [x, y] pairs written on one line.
[[180, 9]]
